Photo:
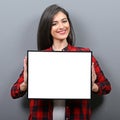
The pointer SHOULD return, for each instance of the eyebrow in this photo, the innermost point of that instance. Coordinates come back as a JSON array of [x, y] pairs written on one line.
[[61, 19]]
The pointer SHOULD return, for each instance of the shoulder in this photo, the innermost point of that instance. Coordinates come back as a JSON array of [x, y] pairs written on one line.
[[75, 48]]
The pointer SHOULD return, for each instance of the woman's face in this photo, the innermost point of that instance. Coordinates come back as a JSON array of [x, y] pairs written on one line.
[[60, 27]]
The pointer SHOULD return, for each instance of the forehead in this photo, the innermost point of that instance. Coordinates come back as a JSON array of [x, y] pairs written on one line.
[[60, 15]]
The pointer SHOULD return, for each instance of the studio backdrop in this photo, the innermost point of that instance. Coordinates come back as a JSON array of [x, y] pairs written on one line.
[[97, 26]]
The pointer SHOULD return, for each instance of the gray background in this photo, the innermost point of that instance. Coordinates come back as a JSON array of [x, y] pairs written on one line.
[[97, 26]]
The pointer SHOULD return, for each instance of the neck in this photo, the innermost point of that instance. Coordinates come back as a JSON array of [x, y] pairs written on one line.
[[59, 45]]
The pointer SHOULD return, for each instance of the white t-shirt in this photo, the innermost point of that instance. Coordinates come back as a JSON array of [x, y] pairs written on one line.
[[59, 110]]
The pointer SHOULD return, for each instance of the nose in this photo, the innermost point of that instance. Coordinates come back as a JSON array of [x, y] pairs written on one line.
[[61, 25]]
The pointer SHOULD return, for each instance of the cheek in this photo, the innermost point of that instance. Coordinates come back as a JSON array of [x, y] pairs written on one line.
[[53, 31], [68, 27]]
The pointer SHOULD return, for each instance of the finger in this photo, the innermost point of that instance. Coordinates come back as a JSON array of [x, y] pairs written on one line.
[[25, 69], [25, 63], [93, 73], [93, 68]]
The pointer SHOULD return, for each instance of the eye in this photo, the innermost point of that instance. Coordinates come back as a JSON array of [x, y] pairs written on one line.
[[54, 23], [65, 20]]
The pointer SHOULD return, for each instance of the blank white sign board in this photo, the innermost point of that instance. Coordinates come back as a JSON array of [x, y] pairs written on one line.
[[59, 75]]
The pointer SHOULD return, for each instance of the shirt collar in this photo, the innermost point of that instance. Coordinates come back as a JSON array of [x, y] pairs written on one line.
[[64, 49]]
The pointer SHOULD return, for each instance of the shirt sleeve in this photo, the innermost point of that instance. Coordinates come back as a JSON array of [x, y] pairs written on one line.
[[15, 90], [102, 82]]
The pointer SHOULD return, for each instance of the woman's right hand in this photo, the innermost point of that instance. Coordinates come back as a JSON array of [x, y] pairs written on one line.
[[23, 86]]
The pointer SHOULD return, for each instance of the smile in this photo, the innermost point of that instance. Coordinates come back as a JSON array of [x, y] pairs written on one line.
[[62, 32]]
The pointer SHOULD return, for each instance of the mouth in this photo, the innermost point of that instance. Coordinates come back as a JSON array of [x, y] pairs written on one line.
[[61, 31]]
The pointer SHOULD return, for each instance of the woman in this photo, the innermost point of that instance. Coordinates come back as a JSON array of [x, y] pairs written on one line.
[[55, 33]]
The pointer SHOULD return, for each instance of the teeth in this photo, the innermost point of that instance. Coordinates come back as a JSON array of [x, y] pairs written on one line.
[[61, 31]]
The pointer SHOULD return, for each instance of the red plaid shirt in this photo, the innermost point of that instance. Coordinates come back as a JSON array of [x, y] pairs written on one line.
[[74, 109]]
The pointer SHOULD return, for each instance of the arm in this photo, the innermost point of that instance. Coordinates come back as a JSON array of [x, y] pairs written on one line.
[[100, 84], [20, 87]]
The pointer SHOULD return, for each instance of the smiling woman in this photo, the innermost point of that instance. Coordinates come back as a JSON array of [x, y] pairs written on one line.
[[55, 33], [60, 30], [54, 21]]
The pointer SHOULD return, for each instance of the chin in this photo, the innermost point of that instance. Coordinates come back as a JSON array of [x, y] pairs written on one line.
[[63, 37]]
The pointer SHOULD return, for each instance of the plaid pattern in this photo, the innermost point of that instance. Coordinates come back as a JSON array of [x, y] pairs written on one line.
[[74, 109]]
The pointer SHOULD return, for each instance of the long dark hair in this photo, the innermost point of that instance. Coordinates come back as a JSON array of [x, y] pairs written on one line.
[[44, 38]]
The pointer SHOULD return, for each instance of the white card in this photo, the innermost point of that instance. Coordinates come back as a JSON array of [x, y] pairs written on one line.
[[59, 75]]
